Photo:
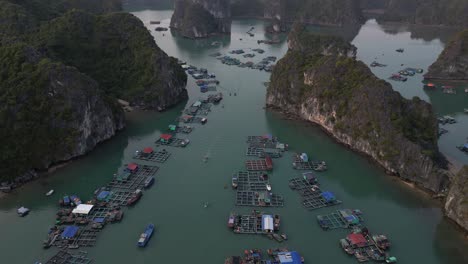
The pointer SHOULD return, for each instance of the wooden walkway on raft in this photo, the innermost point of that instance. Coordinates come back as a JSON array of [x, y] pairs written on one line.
[[311, 194], [160, 156], [262, 153], [65, 257], [251, 181], [337, 220], [134, 182], [298, 164], [255, 199], [173, 142]]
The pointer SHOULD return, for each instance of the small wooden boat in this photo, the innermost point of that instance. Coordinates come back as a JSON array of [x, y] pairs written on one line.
[[148, 182], [346, 246], [22, 211], [400, 50], [49, 193], [284, 236]]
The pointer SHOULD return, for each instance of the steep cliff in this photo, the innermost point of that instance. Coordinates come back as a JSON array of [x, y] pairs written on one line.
[[456, 205], [324, 84], [427, 12], [452, 63], [119, 53], [49, 112], [60, 78], [201, 18]]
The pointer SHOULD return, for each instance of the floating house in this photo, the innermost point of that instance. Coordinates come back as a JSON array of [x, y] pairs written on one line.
[[357, 240], [69, 232], [329, 197], [289, 257], [165, 138], [267, 224], [103, 196], [186, 119], [147, 151], [83, 209], [132, 167], [309, 177]]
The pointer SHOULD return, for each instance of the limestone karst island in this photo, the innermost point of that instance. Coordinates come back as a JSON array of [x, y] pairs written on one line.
[[233, 131]]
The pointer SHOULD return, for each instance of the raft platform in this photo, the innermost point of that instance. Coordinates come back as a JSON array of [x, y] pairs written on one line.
[[173, 142], [251, 181], [160, 156], [312, 196], [345, 218], [259, 165], [299, 164], [136, 180], [258, 199], [262, 153], [65, 257]]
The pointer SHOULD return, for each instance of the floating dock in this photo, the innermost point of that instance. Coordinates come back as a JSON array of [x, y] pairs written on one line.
[[312, 196], [135, 179], [65, 257], [345, 218]]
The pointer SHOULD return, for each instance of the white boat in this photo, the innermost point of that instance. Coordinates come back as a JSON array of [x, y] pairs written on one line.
[[268, 186], [49, 193], [22, 211]]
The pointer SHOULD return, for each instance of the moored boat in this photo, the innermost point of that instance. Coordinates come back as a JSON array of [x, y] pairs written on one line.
[[346, 246], [234, 181], [381, 241], [145, 236], [231, 221], [268, 187], [136, 196], [148, 182]]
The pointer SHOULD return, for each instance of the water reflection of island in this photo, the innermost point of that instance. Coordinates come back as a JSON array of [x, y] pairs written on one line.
[[426, 33]]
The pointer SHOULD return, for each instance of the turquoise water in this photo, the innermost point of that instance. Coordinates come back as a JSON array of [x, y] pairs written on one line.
[[189, 233]]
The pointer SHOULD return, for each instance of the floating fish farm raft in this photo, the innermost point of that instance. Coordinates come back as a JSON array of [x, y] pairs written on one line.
[[345, 218], [262, 153], [304, 164], [312, 196], [251, 181], [171, 141], [65, 257], [148, 154], [261, 199], [257, 223], [273, 256], [259, 165]]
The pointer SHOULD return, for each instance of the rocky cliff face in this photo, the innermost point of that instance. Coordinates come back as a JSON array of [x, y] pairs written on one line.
[[428, 12], [323, 83], [456, 205], [59, 82], [452, 63], [201, 18], [50, 112]]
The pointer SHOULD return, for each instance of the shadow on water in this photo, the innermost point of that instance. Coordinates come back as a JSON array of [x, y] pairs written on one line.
[[359, 182], [426, 33], [450, 243]]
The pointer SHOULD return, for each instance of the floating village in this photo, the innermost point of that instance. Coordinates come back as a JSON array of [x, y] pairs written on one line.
[[79, 221]]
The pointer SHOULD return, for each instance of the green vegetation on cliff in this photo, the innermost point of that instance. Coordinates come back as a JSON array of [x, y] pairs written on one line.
[[325, 84], [62, 67], [114, 49], [452, 63]]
